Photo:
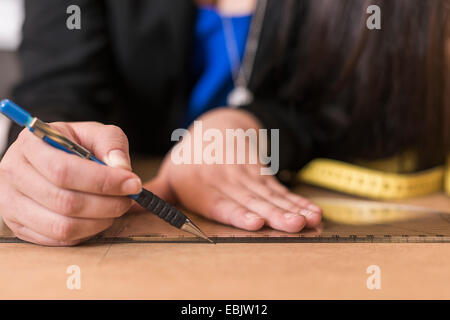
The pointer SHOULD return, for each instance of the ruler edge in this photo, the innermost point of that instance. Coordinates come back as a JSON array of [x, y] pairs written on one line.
[[256, 240]]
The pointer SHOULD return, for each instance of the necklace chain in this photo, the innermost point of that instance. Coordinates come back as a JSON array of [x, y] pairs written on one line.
[[242, 72]]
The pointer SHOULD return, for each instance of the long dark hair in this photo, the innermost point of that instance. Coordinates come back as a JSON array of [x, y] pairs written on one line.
[[374, 93]]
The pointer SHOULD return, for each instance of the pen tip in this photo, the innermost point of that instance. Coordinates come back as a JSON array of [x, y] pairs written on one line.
[[190, 227]]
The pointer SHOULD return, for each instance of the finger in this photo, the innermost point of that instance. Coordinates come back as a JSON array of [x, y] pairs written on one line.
[[108, 142], [66, 202], [304, 202], [71, 172], [217, 206], [312, 212], [50, 224], [274, 184], [280, 200], [28, 235], [275, 216]]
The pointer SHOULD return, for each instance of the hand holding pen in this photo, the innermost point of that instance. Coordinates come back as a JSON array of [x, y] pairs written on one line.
[[52, 197]]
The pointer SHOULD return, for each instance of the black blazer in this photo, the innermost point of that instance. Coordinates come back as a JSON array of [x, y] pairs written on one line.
[[129, 65]]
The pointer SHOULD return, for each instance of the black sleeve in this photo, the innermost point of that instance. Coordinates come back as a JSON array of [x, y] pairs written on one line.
[[66, 73]]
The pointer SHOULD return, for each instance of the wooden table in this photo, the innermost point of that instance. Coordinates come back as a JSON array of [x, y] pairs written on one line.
[[229, 270]]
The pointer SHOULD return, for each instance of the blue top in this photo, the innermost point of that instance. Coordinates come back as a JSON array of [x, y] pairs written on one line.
[[211, 66], [15, 113]]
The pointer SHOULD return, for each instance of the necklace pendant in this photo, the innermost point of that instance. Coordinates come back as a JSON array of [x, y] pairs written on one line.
[[240, 96]]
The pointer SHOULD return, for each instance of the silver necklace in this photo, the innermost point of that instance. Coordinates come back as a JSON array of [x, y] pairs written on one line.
[[241, 94]]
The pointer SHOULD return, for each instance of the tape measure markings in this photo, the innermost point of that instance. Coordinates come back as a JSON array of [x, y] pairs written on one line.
[[355, 180]]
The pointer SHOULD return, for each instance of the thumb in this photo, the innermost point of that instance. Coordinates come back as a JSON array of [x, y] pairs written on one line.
[[107, 142], [112, 147], [117, 159]]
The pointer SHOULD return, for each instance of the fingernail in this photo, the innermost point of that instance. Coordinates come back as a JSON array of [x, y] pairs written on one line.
[[307, 213], [117, 159], [132, 186], [290, 215], [252, 216], [313, 207]]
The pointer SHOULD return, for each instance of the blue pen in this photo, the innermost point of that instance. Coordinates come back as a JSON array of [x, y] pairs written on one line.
[[146, 199]]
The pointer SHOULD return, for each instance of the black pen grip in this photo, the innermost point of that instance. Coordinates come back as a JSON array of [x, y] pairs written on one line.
[[161, 208]]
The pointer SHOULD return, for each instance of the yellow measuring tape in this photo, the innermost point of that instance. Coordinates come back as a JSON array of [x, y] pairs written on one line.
[[372, 183], [447, 178], [357, 212]]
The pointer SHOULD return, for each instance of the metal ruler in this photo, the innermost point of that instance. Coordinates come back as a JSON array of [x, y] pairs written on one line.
[[345, 221]]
